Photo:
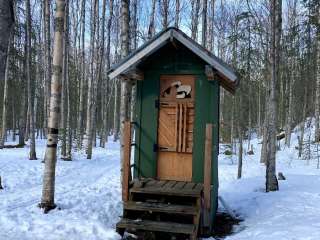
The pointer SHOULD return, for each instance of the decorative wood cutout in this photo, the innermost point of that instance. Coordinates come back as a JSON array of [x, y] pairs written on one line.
[[177, 90]]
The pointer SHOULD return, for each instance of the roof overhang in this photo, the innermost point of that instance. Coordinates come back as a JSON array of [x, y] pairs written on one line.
[[225, 74]]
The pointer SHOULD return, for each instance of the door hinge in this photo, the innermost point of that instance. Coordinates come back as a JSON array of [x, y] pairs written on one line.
[[155, 147], [157, 103]]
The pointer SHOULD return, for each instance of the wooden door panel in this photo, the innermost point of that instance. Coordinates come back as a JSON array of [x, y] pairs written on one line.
[[175, 128], [174, 166]]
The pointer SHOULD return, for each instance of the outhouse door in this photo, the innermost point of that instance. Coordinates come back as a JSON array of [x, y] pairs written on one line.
[[175, 127]]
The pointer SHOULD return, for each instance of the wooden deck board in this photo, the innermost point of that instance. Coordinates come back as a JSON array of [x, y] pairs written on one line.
[[177, 188], [147, 225], [160, 207]]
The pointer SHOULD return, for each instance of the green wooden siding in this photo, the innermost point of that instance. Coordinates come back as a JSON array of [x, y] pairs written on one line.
[[170, 60]]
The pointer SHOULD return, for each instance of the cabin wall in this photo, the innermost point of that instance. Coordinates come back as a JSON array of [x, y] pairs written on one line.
[[168, 61]]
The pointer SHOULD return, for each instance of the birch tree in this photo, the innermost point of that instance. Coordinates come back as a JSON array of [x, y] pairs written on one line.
[[47, 200]]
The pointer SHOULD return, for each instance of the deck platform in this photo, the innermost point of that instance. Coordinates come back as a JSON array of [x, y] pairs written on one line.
[[170, 207]]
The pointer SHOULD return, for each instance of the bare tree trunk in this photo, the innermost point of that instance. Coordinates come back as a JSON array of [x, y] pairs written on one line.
[[302, 125], [211, 26], [6, 23], [5, 98], [64, 84], [151, 28], [125, 85], [32, 154], [240, 135], [116, 124], [104, 138], [290, 104], [195, 18], [164, 10], [204, 22], [65, 101], [177, 16], [102, 79], [47, 52], [82, 77], [91, 84], [317, 102], [271, 179], [47, 200]]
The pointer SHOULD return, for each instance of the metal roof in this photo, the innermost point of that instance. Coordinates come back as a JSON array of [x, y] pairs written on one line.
[[161, 39]]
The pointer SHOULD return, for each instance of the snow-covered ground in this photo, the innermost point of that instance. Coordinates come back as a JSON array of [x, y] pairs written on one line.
[[88, 196]]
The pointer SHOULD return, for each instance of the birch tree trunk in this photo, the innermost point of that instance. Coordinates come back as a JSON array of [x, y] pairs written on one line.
[[6, 23], [271, 179], [47, 200], [32, 153]]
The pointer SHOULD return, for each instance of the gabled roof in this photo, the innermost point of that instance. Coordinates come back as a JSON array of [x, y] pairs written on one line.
[[228, 76]]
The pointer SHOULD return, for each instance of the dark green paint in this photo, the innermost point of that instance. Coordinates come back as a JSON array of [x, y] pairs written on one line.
[[166, 61]]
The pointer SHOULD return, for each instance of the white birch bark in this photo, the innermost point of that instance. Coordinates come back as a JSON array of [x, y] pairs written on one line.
[[47, 200]]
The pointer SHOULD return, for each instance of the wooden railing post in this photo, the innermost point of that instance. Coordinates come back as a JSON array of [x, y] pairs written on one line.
[[126, 160]]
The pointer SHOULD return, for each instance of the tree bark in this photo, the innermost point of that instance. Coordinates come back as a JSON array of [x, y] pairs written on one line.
[[177, 16], [204, 23], [6, 23], [47, 200], [5, 98], [65, 77], [47, 53], [125, 85], [317, 102], [271, 179], [32, 153], [82, 77], [195, 18], [91, 84], [151, 28]]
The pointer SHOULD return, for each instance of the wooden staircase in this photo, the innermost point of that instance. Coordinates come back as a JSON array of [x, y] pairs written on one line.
[[162, 210]]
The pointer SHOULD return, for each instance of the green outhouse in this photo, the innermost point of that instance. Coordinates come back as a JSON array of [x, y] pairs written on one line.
[[174, 186]]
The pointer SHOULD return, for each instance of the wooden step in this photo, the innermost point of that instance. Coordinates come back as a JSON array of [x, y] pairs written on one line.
[[154, 226], [169, 188], [161, 207]]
